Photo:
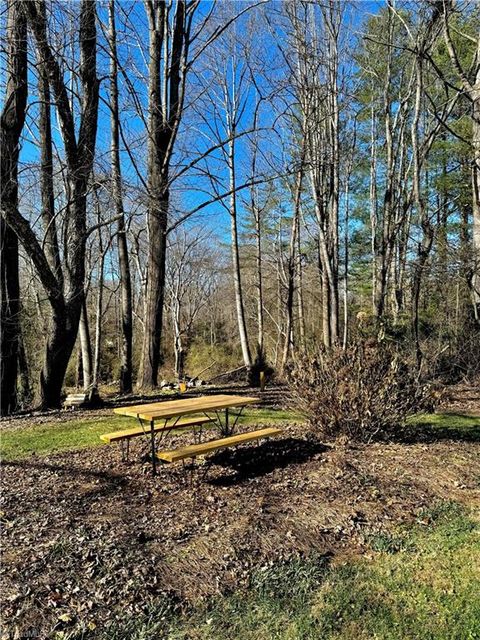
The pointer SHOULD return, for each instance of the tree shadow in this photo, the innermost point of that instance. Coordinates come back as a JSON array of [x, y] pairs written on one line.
[[111, 481], [252, 462]]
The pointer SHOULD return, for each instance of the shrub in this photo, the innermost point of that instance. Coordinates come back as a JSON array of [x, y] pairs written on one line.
[[365, 392], [202, 354], [454, 357]]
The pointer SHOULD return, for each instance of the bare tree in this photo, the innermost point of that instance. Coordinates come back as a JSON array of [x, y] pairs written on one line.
[[169, 33], [12, 121], [190, 283], [292, 260], [470, 87], [123, 261], [65, 294], [316, 86]]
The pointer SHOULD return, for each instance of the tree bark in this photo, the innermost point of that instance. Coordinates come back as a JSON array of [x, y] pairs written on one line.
[[123, 261], [259, 274], [237, 278], [86, 346], [291, 265], [164, 115], [10, 310], [12, 121], [98, 322]]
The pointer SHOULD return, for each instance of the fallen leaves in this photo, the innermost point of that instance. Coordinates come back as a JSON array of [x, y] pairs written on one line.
[[89, 539]]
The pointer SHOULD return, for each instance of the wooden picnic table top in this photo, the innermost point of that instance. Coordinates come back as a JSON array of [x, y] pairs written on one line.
[[174, 408]]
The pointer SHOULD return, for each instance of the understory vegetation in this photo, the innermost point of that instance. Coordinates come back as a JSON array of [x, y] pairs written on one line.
[[364, 392]]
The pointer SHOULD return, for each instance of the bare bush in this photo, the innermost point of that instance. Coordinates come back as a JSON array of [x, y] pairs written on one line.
[[363, 393]]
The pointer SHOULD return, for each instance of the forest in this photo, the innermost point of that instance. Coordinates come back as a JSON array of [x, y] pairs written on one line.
[[240, 319], [195, 184]]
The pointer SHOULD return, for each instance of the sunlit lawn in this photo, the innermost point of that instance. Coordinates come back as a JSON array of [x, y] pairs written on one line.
[[57, 436], [420, 583]]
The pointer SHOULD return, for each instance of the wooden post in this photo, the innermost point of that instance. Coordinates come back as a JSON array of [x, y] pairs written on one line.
[[262, 380], [152, 441]]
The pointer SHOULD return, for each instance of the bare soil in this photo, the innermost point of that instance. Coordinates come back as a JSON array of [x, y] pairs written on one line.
[[88, 538]]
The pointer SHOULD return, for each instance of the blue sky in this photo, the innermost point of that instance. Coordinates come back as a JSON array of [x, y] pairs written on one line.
[[191, 190]]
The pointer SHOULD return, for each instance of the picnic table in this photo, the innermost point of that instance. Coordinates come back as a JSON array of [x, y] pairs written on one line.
[[169, 412]]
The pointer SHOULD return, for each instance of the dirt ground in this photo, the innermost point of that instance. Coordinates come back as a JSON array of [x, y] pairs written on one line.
[[88, 538]]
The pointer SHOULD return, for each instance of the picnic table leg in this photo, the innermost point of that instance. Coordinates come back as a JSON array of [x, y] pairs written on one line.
[[152, 440]]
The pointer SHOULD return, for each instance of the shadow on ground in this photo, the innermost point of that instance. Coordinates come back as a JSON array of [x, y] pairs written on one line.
[[430, 433], [251, 462], [108, 483]]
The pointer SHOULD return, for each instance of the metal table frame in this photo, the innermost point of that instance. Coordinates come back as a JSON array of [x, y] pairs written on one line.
[[217, 403]]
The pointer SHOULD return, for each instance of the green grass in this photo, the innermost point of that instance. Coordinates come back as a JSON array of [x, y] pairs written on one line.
[[424, 587], [449, 424], [51, 437], [56, 436]]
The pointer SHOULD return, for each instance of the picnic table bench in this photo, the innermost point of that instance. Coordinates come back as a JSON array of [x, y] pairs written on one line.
[[126, 435], [169, 414], [194, 450]]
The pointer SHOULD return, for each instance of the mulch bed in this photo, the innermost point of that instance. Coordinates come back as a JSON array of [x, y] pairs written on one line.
[[88, 539]]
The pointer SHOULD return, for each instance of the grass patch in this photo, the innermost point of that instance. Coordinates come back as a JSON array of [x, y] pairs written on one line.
[[18, 443], [53, 437], [57, 436], [425, 587], [449, 424]]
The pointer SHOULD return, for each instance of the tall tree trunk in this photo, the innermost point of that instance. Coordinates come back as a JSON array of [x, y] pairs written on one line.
[[123, 261], [86, 346], [10, 316], [332, 21], [12, 121], [291, 266], [157, 213], [98, 322], [386, 240], [373, 205], [299, 286], [259, 274], [168, 46], [476, 192], [154, 296], [346, 260], [237, 278]]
